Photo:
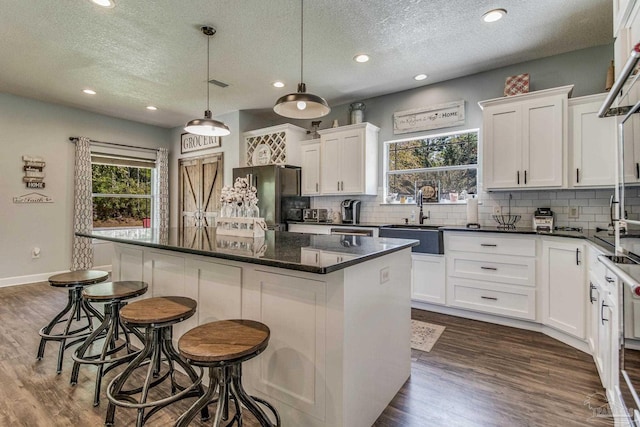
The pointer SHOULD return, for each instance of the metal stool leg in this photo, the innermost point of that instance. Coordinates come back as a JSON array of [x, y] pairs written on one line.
[[206, 399], [249, 401], [47, 329]]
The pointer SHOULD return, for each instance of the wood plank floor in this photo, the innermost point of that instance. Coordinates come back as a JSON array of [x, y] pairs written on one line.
[[477, 374]]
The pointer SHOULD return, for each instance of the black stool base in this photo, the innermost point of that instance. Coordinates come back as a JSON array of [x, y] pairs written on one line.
[[228, 381], [76, 310], [110, 329], [158, 342]]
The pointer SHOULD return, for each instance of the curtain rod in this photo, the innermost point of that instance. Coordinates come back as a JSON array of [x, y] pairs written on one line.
[[75, 138]]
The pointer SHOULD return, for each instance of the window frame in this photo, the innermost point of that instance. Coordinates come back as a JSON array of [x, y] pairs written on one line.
[[387, 173], [129, 163]]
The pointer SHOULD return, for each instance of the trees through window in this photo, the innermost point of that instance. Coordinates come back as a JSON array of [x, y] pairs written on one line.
[[444, 166]]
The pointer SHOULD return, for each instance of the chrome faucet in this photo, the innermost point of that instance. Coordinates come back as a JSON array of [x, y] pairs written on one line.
[[420, 202]]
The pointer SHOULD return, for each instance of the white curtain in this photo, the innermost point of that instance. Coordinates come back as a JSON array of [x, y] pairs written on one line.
[[161, 216], [82, 255]]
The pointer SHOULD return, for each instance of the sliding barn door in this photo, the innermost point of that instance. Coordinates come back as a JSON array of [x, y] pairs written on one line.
[[200, 187]]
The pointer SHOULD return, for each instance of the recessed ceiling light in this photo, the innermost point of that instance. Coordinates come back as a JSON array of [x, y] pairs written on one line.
[[361, 58], [420, 77], [494, 15], [151, 107], [89, 91], [104, 3], [278, 84]]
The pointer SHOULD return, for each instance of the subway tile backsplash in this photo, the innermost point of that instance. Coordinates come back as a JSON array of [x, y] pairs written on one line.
[[593, 208]]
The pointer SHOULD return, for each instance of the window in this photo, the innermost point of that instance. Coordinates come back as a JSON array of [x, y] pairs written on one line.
[[444, 167], [122, 191]]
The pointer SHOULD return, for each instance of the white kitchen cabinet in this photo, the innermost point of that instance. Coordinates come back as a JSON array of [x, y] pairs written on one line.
[[592, 143], [524, 140], [280, 143], [310, 163], [428, 283], [564, 285], [349, 160], [491, 273]]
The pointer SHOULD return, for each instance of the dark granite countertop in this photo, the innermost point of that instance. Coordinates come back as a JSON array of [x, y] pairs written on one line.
[[276, 249]]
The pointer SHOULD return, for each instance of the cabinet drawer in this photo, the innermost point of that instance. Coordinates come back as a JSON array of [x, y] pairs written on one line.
[[513, 301], [489, 243], [492, 268]]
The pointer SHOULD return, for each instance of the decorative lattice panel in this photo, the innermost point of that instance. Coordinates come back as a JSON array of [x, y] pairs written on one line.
[[277, 143]]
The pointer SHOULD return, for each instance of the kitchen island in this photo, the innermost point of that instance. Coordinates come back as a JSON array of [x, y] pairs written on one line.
[[339, 310]]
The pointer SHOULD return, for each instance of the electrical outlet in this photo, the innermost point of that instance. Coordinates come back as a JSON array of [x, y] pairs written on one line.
[[497, 210], [384, 275], [35, 252], [574, 212]]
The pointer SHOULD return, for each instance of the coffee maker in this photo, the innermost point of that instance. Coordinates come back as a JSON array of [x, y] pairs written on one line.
[[350, 211]]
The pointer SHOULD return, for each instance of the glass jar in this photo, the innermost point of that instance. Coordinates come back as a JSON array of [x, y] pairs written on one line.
[[253, 211], [357, 112]]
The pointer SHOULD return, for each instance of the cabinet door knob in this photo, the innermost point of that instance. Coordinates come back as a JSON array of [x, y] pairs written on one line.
[[609, 279]]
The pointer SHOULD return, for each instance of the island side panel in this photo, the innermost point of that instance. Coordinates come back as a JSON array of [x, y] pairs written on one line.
[[292, 372], [377, 335]]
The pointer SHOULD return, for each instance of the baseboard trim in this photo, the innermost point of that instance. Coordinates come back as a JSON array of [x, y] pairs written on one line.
[[40, 277]]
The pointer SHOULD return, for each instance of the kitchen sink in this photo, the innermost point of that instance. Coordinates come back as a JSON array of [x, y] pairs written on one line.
[[430, 237]]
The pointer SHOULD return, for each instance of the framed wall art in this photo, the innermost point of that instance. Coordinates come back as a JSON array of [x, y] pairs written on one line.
[[190, 142]]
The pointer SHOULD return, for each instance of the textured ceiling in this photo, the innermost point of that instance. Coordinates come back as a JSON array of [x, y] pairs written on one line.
[[152, 52]]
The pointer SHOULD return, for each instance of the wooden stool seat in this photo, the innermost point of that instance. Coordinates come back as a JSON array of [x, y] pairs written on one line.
[[76, 310], [114, 296], [225, 340], [78, 278], [222, 347], [158, 310], [108, 291]]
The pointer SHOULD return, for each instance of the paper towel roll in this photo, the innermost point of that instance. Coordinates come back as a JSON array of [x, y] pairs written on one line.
[[472, 210]]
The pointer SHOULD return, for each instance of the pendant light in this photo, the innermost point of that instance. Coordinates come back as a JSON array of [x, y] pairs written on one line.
[[207, 126], [301, 105]]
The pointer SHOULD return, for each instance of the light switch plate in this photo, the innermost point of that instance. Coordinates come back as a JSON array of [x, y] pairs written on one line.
[[384, 275]]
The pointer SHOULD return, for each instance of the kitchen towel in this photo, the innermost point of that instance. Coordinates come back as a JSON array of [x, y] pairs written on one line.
[[472, 210]]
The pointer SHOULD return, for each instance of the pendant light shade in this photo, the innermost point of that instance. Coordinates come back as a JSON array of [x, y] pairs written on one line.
[[301, 105], [207, 126]]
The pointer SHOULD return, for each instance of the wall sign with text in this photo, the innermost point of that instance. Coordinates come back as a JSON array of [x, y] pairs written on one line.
[[190, 142], [33, 171], [426, 118]]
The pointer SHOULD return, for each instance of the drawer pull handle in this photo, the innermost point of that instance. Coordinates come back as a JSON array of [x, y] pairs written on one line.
[[591, 288], [609, 279], [488, 268], [490, 298], [488, 245], [602, 319]]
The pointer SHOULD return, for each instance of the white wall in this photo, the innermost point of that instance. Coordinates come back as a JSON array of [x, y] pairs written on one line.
[[35, 128]]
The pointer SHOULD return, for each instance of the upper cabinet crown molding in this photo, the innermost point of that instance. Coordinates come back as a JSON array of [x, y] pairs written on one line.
[[562, 90], [274, 129], [363, 125]]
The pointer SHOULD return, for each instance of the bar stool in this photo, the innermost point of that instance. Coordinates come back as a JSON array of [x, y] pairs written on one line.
[[113, 294], [75, 281], [222, 346], [157, 316]]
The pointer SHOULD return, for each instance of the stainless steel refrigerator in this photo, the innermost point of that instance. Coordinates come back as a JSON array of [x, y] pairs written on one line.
[[278, 192]]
